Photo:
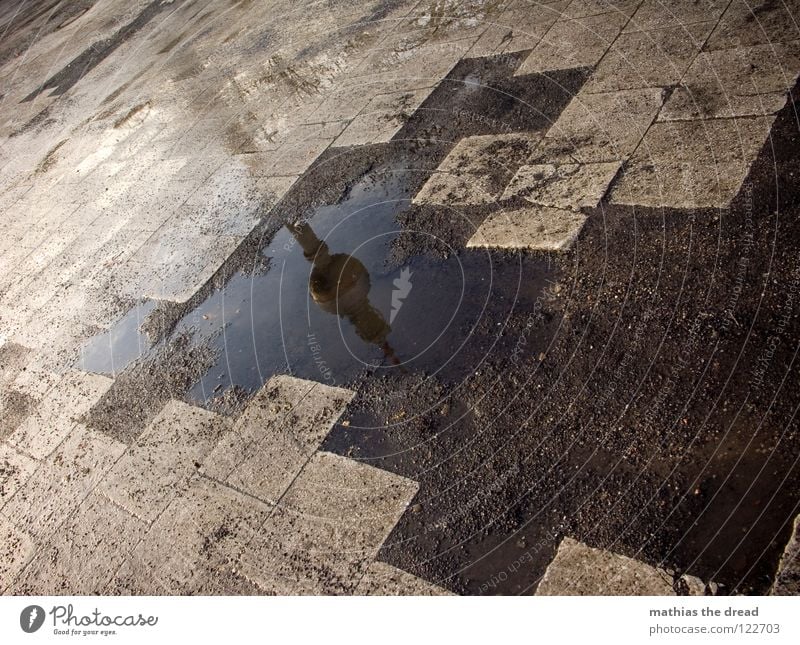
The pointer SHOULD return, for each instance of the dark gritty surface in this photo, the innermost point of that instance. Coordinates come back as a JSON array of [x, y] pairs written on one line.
[[659, 422], [624, 394]]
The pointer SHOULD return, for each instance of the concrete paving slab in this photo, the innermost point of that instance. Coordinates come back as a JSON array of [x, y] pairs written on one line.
[[580, 570], [200, 534], [537, 228], [61, 482], [159, 465], [584, 8], [161, 268], [747, 81], [383, 579], [415, 68], [656, 58], [756, 22], [15, 469], [16, 549], [478, 168], [382, 118], [566, 186], [58, 412], [688, 164], [579, 42], [327, 529], [458, 189], [787, 578], [82, 556], [521, 26], [653, 14], [276, 435], [603, 127]]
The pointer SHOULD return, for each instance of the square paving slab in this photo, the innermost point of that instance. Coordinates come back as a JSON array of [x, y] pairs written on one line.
[[749, 81], [688, 164], [538, 228], [602, 127], [567, 186], [580, 42], [328, 527], [478, 168]]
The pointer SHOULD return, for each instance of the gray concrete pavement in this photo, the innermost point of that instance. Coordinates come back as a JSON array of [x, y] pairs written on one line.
[[140, 175]]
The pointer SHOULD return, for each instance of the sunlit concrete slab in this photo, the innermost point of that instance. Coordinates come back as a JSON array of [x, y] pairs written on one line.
[[538, 228], [580, 570], [327, 528], [605, 126], [383, 579], [61, 482], [198, 538], [159, 465], [566, 186], [577, 42], [59, 412], [748, 81], [688, 164], [478, 168], [275, 436], [653, 58], [82, 556]]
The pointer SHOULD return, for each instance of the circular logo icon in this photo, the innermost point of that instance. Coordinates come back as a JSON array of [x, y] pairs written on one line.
[[31, 618]]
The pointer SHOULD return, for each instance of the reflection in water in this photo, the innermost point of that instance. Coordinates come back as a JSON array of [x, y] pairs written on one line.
[[340, 285]]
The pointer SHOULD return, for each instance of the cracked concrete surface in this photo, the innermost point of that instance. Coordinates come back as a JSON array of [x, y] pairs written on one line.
[[146, 151]]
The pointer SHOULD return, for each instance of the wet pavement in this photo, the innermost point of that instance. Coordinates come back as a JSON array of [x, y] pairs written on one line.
[[463, 296]]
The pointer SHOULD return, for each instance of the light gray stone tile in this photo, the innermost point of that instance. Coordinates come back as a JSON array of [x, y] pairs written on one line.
[[385, 580], [328, 528], [656, 58], [478, 168], [57, 487], [568, 186], [174, 263], [538, 228], [194, 544], [15, 469], [583, 8], [654, 14], [521, 26], [756, 22], [580, 570], [16, 549], [750, 81], [688, 164], [603, 127], [276, 435], [580, 42], [57, 413], [83, 554], [414, 68], [382, 117], [158, 466]]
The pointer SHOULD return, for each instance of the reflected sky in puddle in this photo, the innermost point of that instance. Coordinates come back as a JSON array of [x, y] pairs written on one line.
[[331, 307]]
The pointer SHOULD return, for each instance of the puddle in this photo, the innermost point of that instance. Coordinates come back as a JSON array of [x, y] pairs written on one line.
[[112, 351], [332, 306], [359, 281]]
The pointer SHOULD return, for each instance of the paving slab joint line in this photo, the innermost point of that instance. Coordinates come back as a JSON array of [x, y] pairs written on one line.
[[698, 51], [45, 541], [241, 491]]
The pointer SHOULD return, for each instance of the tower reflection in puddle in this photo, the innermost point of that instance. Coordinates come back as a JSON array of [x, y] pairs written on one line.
[[340, 285]]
